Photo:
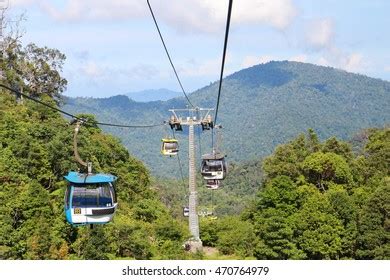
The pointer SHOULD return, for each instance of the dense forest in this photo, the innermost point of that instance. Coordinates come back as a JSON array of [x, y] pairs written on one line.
[[318, 200], [314, 197], [237, 191], [261, 107], [36, 152]]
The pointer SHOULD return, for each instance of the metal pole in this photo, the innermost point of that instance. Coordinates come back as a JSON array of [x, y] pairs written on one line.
[[193, 217]]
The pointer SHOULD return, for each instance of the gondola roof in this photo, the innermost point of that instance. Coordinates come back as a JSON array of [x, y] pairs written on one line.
[[82, 178], [217, 156], [169, 140]]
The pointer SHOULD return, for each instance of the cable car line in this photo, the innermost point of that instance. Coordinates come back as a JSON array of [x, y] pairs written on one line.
[[38, 101], [214, 168], [77, 118], [223, 57], [130, 126], [169, 57]]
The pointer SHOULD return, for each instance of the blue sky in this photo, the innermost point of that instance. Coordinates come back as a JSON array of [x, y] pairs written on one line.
[[112, 47]]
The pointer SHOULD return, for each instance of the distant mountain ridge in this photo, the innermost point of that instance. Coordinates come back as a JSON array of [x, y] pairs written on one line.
[[161, 94], [261, 107]]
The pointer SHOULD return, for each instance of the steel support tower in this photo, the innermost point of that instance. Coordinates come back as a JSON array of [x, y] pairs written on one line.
[[196, 116]]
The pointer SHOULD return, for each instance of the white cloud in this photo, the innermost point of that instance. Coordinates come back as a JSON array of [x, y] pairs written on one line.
[[323, 61], [16, 3], [87, 10], [204, 16], [277, 13], [102, 72], [190, 16], [354, 62], [251, 60], [141, 71], [319, 33], [387, 68], [92, 70], [3, 4], [210, 15]]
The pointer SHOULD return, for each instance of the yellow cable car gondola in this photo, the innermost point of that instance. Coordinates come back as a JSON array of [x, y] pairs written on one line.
[[169, 147]]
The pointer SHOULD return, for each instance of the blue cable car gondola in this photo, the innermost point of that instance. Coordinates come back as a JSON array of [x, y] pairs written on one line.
[[90, 198]]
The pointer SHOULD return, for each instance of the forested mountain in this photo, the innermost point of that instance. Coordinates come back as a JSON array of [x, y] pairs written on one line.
[[261, 107], [314, 197]]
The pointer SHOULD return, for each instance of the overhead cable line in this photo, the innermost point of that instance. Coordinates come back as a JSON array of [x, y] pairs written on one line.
[[73, 116], [169, 57], [38, 101], [131, 126], [223, 57]]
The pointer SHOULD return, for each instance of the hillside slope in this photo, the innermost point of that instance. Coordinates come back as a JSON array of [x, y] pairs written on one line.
[[261, 107], [35, 153]]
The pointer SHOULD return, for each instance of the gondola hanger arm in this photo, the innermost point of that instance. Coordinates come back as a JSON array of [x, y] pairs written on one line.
[[79, 122]]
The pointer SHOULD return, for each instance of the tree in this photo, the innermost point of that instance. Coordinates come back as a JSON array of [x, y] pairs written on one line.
[[378, 152], [332, 145], [285, 158], [319, 233], [276, 202], [42, 69], [333, 205], [33, 70], [276, 239], [374, 225], [313, 144], [92, 244], [130, 238], [321, 168], [236, 237]]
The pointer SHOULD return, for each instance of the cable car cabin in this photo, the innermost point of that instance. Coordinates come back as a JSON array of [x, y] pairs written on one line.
[[213, 167], [213, 184], [186, 211], [205, 212], [169, 147], [90, 199]]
